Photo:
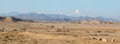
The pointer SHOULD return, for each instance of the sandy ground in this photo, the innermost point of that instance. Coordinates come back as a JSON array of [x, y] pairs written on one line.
[[58, 33]]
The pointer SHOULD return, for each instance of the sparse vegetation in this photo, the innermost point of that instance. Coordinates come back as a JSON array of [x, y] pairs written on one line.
[[99, 31], [52, 26], [58, 30], [58, 33], [2, 30]]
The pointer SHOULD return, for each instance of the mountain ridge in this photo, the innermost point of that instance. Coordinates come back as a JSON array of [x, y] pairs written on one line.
[[58, 17]]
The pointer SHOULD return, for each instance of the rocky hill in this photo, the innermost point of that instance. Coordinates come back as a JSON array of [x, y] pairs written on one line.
[[10, 19], [58, 18], [41, 17]]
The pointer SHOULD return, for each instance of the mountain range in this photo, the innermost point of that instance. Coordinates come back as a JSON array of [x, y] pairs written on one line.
[[55, 17]]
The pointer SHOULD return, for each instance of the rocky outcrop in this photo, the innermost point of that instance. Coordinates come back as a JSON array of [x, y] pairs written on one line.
[[95, 22], [9, 19], [84, 22]]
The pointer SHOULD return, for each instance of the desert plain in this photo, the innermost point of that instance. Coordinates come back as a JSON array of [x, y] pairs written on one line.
[[58, 33]]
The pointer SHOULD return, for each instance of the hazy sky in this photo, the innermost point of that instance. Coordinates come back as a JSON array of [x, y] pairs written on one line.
[[105, 8]]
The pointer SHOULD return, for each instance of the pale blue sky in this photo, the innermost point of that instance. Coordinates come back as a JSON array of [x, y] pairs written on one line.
[[105, 8]]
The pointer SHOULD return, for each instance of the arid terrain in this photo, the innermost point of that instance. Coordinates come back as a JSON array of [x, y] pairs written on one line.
[[58, 33], [59, 21]]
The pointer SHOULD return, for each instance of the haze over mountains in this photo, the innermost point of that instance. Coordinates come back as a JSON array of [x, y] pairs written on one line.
[[55, 17]]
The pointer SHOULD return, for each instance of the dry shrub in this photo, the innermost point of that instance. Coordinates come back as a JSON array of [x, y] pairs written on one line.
[[2, 29], [32, 38], [99, 31], [52, 26], [15, 38], [58, 30], [23, 29]]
